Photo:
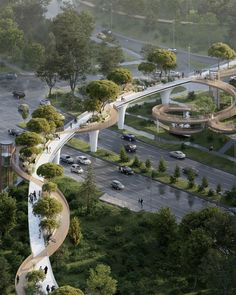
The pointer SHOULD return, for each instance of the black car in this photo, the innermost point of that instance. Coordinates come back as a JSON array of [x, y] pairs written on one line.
[[130, 148], [126, 170], [186, 170], [18, 94], [129, 137], [15, 132]]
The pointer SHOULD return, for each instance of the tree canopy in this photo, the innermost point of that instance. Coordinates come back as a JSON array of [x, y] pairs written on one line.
[[49, 113], [120, 76], [39, 125], [47, 207], [164, 59], [103, 90], [29, 139], [221, 51], [67, 290], [50, 170]]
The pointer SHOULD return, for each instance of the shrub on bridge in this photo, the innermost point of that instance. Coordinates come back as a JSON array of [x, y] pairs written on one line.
[[49, 113], [29, 139], [67, 290], [39, 125], [50, 170]]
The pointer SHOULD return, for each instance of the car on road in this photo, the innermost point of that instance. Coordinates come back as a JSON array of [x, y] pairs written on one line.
[[172, 50], [186, 170], [18, 94], [130, 148], [67, 159], [126, 170], [177, 154], [45, 102], [76, 169], [116, 184], [129, 137], [15, 132], [83, 160], [175, 74], [11, 76]]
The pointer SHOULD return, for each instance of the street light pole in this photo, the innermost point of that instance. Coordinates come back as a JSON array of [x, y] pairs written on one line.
[[173, 33], [189, 59]]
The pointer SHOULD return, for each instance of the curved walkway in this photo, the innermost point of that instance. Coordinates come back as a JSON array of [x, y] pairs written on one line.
[[40, 254], [161, 112]]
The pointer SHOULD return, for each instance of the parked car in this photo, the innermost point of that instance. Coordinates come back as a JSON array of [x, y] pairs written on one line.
[[126, 170], [45, 102], [11, 76], [83, 160], [129, 137], [130, 148], [177, 154], [175, 74], [76, 169], [67, 159], [172, 50], [15, 132], [116, 184], [18, 94], [186, 170]]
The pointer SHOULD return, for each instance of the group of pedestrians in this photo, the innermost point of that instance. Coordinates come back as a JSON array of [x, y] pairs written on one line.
[[48, 149], [48, 288], [33, 197]]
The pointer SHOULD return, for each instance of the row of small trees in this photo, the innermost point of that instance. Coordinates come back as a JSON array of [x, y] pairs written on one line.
[[161, 169]]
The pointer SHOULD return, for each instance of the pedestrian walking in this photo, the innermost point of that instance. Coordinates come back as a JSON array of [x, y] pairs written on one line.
[[141, 202], [17, 279], [71, 124], [75, 120], [40, 232], [48, 288], [47, 149], [39, 194], [45, 269], [31, 198], [53, 288]]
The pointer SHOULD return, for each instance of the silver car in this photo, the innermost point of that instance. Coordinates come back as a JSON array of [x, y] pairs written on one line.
[[116, 184], [177, 154]]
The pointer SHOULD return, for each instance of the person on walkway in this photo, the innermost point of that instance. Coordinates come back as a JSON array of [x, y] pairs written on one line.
[[39, 194], [17, 279], [75, 120], [47, 149], [71, 124], [45, 269], [53, 288], [48, 288]]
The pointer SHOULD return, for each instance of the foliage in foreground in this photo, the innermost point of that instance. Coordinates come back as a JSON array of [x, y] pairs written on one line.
[[149, 253]]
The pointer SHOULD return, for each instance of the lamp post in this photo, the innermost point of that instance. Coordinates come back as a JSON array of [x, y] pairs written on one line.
[[173, 33], [189, 59]]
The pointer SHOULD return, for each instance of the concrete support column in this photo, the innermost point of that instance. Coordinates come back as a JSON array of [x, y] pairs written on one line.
[[56, 160], [121, 116], [165, 96], [93, 140], [216, 96]]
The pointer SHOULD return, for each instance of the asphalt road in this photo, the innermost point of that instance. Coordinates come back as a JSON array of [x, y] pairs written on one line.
[[154, 194], [111, 140]]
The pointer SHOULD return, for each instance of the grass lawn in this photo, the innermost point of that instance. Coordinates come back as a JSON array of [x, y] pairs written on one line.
[[5, 69], [67, 102], [231, 151], [144, 109], [205, 138]]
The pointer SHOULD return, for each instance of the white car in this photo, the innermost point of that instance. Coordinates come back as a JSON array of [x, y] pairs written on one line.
[[83, 160], [45, 102], [76, 168], [172, 49], [175, 74], [177, 154]]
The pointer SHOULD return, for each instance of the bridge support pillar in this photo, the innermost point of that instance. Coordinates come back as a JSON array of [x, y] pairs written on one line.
[[121, 116], [165, 96], [56, 160], [216, 96], [93, 140]]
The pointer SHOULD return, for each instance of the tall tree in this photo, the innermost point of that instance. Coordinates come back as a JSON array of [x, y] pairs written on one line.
[[7, 213], [100, 281], [72, 32], [75, 231], [120, 76], [89, 190], [103, 90], [221, 51]]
